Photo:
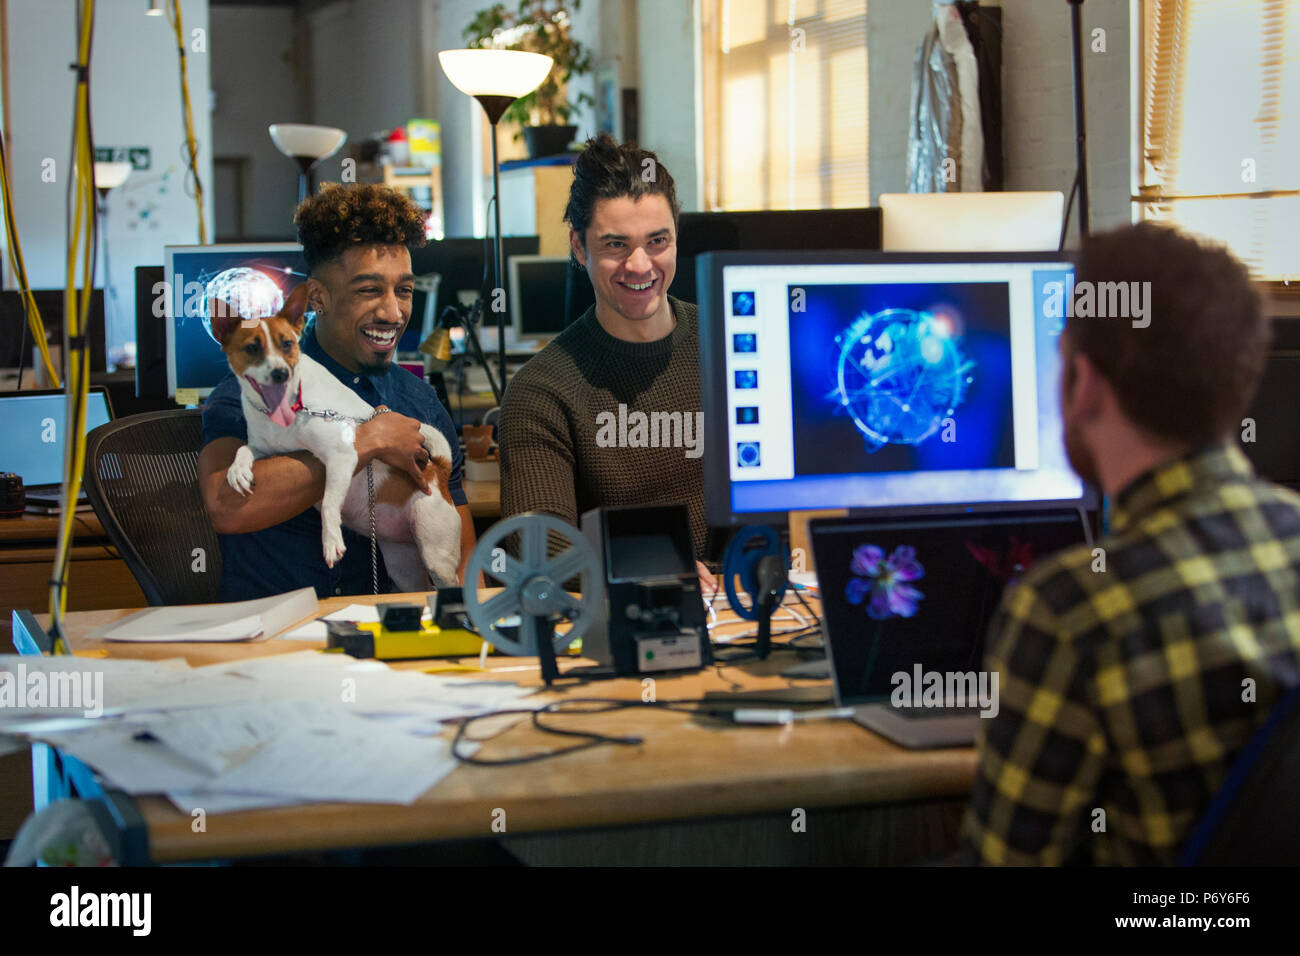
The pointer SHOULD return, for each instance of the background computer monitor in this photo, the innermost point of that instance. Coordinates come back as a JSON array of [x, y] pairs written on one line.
[[16, 338], [701, 232], [971, 222], [537, 296], [150, 335], [256, 279], [32, 423], [460, 263], [875, 380]]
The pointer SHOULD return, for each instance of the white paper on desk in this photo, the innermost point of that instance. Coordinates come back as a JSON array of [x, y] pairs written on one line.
[[216, 738], [311, 631], [357, 613], [236, 621], [209, 801], [374, 767], [136, 766], [30, 686]]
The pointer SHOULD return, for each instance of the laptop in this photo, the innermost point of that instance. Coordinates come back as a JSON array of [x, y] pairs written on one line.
[[906, 604], [32, 440]]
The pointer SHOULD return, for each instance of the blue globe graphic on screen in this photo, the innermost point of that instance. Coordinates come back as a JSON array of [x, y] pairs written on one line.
[[249, 292], [899, 374]]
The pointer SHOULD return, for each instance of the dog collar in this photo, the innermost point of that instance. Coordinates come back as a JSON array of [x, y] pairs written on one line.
[[329, 414]]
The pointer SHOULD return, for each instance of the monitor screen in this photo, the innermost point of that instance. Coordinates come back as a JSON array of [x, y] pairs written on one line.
[[921, 591], [460, 263], [32, 432], [254, 279], [537, 295], [870, 380]]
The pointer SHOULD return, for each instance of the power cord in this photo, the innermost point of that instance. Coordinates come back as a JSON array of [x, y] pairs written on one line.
[[190, 146], [579, 706]]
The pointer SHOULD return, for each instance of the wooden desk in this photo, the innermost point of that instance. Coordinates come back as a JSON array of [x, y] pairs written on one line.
[[696, 790], [97, 577], [484, 498]]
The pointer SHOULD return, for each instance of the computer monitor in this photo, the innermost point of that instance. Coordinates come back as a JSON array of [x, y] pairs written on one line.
[[876, 380], [971, 222], [538, 296], [460, 263], [253, 279], [756, 230], [16, 344], [32, 426], [150, 334]]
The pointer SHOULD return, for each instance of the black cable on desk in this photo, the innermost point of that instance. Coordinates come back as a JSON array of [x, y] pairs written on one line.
[[606, 705]]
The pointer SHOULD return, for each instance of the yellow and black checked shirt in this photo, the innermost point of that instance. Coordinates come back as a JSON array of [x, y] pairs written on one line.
[[1128, 690]]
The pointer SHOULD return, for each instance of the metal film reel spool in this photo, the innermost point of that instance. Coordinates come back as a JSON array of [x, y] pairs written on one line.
[[534, 584], [748, 546]]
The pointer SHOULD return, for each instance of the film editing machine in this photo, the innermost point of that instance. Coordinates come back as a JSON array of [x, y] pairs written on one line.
[[637, 606]]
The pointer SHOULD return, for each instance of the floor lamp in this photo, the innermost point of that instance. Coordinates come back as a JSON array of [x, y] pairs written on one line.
[[496, 78], [108, 176], [307, 146]]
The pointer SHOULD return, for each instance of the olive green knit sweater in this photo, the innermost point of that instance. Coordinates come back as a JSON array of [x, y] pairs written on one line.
[[592, 420]]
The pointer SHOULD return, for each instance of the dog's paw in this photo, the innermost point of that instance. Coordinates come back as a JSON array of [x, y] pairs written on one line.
[[332, 539], [240, 474]]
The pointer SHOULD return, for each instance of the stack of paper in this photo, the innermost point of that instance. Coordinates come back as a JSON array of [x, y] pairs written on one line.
[[271, 731], [235, 621]]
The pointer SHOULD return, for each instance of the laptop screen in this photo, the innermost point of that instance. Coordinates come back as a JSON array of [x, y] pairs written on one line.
[[908, 592], [32, 431]]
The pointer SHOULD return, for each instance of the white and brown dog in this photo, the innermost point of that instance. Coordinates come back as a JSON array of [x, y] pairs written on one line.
[[287, 398]]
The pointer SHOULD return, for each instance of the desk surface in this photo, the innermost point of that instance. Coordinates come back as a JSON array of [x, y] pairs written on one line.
[[484, 498], [35, 527], [687, 767]]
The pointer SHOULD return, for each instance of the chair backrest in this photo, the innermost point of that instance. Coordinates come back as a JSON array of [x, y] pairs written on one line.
[[1254, 819], [142, 479]]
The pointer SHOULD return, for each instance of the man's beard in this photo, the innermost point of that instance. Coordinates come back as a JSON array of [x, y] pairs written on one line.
[[1080, 455], [377, 368]]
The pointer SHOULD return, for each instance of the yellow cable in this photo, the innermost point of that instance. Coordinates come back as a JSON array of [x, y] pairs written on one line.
[[34, 323], [190, 145], [76, 321]]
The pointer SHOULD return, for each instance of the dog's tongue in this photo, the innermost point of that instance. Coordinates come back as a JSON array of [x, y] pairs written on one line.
[[277, 403]]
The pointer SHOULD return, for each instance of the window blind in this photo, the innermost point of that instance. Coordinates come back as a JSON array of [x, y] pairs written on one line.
[[785, 103], [1221, 125]]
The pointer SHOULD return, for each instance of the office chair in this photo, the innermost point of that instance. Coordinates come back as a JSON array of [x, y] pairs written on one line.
[[142, 480], [1254, 819]]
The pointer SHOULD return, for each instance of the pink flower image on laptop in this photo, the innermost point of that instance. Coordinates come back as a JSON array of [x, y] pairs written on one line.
[[881, 581]]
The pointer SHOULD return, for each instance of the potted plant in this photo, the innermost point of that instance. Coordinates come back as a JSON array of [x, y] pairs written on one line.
[[539, 26]]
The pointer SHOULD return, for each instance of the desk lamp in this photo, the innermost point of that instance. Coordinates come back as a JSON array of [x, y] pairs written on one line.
[[496, 78], [307, 146]]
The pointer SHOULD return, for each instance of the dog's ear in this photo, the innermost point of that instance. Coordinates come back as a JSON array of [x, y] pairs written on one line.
[[294, 310], [224, 318]]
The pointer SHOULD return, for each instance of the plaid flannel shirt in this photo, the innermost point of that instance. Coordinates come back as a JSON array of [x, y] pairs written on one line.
[[1125, 693]]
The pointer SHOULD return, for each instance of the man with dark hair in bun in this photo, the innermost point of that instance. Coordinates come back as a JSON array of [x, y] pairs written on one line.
[[356, 240], [632, 357]]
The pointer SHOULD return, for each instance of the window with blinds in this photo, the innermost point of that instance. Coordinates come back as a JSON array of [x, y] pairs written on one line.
[[1221, 125], [785, 103]]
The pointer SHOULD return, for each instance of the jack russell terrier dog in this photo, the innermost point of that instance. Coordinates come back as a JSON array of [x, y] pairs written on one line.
[[292, 403]]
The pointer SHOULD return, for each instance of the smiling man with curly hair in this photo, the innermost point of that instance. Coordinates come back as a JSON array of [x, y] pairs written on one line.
[[357, 241]]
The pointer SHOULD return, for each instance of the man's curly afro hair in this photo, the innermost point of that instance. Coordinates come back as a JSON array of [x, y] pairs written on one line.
[[339, 216]]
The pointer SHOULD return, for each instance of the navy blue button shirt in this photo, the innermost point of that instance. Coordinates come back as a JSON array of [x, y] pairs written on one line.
[[289, 555]]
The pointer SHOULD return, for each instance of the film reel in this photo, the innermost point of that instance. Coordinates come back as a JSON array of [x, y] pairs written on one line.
[[533, 585]]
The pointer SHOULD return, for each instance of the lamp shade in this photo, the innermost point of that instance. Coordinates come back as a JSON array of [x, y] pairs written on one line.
[[302, 140], [511, 73], [111, 175]]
